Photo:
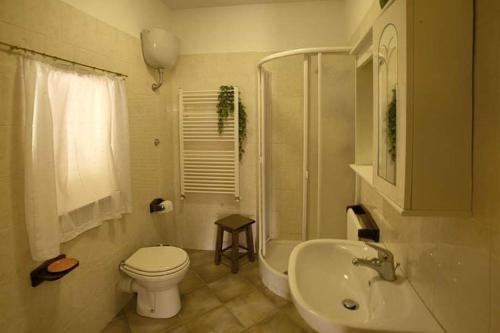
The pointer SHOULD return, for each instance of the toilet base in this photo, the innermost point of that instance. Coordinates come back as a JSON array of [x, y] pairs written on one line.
[[159, 304]]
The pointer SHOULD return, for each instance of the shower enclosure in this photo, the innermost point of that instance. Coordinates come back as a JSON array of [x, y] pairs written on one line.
[[306, 143]]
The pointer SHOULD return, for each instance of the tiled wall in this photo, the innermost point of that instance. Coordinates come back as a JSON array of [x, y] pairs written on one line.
[[454, 262], [196, 214], [261, 26], [446, 259], [86, 299]]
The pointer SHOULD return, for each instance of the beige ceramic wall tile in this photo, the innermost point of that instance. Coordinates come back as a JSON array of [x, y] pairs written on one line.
[[446, 259], [56, 28], [196, 214]]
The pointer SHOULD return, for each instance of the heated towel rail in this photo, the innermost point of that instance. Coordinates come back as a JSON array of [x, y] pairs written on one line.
[[209, 160]]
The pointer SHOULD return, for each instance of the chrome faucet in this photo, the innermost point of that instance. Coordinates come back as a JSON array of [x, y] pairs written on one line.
[[384, 264]]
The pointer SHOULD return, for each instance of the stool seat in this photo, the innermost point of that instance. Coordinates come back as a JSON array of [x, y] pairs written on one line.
[[234, 224]]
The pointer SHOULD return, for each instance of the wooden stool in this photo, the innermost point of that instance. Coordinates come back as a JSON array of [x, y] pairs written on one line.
[[234, 224]]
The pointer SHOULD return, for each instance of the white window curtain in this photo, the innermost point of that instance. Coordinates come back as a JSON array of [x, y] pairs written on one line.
[[77, 170]]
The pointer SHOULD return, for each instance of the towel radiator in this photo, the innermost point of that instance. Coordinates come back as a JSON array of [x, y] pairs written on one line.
[[209, 160]]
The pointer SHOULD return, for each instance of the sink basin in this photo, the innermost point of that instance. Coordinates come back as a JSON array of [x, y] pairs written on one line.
[[333, 295]]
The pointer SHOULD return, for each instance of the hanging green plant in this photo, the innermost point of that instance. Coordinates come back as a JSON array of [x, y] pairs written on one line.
[[391, 126], [383, 3], [225, 108]]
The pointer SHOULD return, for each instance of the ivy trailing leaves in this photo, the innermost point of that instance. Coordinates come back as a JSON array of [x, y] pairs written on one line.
[[225, 108], [391, 126], [383, 3]]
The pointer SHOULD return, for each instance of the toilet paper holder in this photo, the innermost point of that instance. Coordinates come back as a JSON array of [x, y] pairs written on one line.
[[156, 205]]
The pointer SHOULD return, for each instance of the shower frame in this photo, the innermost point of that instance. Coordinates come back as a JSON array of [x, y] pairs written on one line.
[[277, 281]]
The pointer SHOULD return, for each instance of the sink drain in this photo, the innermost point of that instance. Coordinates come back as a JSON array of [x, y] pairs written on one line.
[[350, 304]]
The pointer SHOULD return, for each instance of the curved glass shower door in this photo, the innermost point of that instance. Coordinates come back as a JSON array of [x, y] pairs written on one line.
[[306, 143], [283, 92]]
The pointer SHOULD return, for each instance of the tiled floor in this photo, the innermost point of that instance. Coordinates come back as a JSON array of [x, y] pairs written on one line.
[[214, 300]]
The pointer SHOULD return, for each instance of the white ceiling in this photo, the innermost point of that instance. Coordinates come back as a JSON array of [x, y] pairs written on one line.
[[184, 4]]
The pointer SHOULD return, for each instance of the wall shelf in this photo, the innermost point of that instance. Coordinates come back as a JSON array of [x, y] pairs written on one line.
[[42, 273], [364, 171], [363, 43], [364, 58]]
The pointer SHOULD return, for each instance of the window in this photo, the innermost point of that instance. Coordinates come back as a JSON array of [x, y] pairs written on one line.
[[76, 153]]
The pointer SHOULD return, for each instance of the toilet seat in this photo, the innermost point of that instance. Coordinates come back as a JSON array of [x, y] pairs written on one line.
[[156, 261], [155, 274]]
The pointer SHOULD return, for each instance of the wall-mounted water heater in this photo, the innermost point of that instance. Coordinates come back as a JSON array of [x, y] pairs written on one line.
[[160, 49]]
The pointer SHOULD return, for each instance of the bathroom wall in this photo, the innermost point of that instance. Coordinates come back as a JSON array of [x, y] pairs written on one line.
[[86, 299], [454, 262], [217, 51], [244, 28], [261, 27], [355, 12], [446, 260], [130, 16], [195, 214], [372, 11]]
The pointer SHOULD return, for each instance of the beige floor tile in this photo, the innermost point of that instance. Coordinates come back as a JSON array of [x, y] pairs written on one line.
[[197, 303], [200, 257], [253, 276], [251, 308], [118, 325], [275, 299], [211, 272], [279, 323], [248, 305], [190, 282], [230, 286], [178, 329], [219, 320], [294, 315], [250, 270], [139, 324]]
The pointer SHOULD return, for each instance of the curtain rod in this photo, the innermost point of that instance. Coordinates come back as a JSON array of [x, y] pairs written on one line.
[[15, 47]]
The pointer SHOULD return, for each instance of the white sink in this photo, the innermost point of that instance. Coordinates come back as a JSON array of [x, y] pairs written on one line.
[[321, 276]]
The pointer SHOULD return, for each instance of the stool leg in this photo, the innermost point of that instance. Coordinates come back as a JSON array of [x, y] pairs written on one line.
[[218, 245], [251, 251], [235, 252]]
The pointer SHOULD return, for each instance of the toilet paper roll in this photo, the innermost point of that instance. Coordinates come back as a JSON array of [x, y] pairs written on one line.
[[167, 206]]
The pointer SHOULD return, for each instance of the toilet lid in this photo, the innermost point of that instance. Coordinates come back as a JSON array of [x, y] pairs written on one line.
[[157, 259]]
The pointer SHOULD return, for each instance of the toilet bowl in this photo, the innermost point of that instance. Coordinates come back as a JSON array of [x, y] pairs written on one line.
[[154, 274]]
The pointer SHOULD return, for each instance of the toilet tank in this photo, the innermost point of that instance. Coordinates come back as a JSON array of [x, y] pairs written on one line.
[[160, 48], [360, 225]]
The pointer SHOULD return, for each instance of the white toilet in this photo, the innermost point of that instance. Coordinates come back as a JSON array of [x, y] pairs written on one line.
[[155, 273]]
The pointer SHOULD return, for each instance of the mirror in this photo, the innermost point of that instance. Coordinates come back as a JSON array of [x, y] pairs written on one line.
[[387, 103]]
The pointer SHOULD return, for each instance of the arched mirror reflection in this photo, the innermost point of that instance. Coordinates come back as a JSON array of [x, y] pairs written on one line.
[[387, 103]]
